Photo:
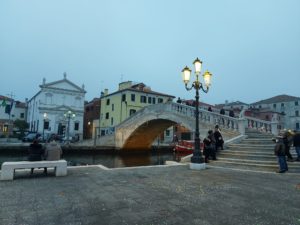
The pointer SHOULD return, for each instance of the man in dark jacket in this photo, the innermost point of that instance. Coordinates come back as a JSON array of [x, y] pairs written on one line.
[[280, 152], [296, 143], [36, 152]]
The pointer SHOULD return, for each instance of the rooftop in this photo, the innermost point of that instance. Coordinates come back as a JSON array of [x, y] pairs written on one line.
[[276, 99]]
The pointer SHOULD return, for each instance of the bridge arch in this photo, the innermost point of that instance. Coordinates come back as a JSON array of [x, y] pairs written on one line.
[[140, 130]]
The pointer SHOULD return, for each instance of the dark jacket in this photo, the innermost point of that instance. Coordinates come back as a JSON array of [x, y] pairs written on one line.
[[36, 152], [218, 138], [296, 140], [279, 149]]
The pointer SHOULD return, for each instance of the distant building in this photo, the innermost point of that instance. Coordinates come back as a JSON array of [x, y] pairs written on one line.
[[287, 106], [91, 118], [202, 105], [131, 97], [10, 110], [237, 106], [46, 108]]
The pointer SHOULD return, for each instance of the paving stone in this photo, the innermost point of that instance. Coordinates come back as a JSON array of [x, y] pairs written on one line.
[[156, 195]]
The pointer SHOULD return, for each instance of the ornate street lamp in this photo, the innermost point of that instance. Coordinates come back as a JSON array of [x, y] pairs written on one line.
[[69, 115], [197, 85], [44, 121]]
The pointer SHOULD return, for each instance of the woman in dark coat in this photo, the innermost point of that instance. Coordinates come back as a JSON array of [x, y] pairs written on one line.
[[36, 152], [209, 146], [218, 138]]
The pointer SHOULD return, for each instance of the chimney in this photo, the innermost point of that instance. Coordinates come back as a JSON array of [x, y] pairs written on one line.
[[44, 81], [105, 91]]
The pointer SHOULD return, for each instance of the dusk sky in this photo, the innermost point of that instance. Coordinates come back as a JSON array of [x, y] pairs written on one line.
[[252, 48]]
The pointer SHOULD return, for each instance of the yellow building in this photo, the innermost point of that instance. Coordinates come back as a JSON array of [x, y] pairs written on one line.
[[130, 98]]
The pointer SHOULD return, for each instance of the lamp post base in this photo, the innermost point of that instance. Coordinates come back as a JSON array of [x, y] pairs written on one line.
[[197, 166]]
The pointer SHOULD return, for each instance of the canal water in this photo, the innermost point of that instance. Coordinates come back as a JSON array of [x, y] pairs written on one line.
[[109, 159]]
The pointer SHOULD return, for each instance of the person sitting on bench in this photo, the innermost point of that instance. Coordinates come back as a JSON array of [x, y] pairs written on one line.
[[36, 153], [52, 151]]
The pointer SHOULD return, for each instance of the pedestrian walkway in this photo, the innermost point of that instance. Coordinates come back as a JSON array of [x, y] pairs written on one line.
[[151, 195]]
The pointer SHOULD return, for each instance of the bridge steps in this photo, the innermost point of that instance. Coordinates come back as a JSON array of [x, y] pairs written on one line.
[[254, 153]]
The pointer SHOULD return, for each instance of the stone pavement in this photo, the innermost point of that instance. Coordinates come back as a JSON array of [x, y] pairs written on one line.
[[151, 195]]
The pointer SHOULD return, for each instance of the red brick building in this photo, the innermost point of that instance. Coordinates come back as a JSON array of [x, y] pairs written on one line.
[[91, 115]]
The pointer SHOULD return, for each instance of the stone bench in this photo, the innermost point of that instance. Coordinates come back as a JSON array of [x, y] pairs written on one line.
[[8, 168]]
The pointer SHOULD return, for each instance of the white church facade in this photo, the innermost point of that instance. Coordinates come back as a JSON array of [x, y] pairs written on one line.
[[47, 109]]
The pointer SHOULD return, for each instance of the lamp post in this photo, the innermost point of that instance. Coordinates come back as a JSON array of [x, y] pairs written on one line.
[[44, 120], [197, 157], [69, 115]]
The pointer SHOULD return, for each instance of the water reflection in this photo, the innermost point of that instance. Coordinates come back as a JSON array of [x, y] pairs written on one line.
[[110, 160]]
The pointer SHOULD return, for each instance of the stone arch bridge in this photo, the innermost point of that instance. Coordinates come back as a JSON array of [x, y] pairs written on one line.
[[141, 129]]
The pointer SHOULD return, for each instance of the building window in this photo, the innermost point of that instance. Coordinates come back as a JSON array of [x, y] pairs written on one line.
[[107, 115], [267, 117], [282, 104], [296, 113], [107, 101], [22, 115], [112, 107], [160, 100], [167, 133], [132, 111], [297, 126], [153, 100], [296, 103], [111, 121], [5, 128], [259, 106], [7, 109], [274, 106], [123, 97], [46, 125], [133, 97], [76, 126], [87, 109], [143, 99], [149, 100]]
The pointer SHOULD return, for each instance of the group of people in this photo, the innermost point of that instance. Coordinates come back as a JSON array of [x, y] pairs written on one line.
[[212, 143], [51, 151], [283, 146]]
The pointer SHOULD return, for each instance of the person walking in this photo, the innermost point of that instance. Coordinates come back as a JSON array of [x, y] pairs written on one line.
[[296, 143], [36, 152], [218, 138], [280, 152]]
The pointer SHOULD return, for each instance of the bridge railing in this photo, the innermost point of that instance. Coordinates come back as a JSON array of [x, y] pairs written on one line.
[[262, 125], [232, 123], [208, 117]]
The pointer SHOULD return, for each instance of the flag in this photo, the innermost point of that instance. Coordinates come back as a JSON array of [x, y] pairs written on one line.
[[3, 103]]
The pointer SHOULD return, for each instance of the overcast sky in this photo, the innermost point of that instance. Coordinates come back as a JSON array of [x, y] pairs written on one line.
[[252, 48]]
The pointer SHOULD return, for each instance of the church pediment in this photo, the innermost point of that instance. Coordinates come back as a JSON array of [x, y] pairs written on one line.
[[63, 84]]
